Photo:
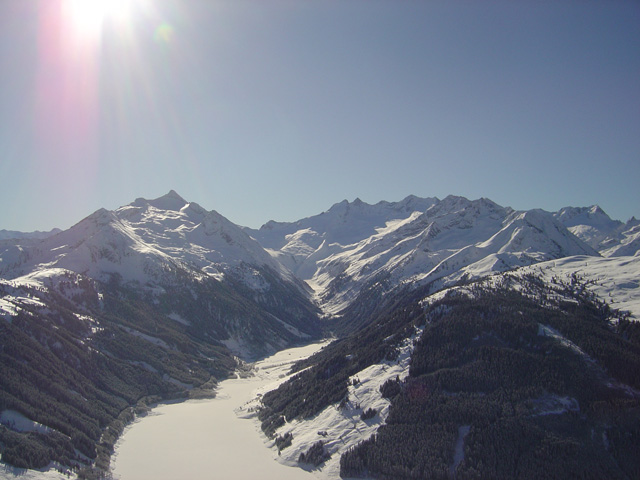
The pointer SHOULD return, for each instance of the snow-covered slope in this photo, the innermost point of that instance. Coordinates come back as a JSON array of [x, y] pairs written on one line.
[[596, 228], [208, 270], [627, 242], [300, 244], [525, 238], [614, 280], [340, 426], [355, 245], [144, 241], [591, 224]]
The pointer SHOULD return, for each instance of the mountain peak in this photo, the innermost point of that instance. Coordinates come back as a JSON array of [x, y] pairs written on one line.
[[102, 216], [171, 196], [168, 201], [414, 203]]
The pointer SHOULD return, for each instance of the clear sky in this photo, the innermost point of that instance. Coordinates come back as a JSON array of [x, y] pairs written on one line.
[[278, 109]]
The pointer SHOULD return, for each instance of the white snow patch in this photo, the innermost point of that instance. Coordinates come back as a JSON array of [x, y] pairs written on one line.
[[8, 309], [175, 381], [238, 347], [292, 329], [52, 472], [178, 318], [144, 365], [155, 340], [19, 423], [458, 454], [555, 405], [547, 331]]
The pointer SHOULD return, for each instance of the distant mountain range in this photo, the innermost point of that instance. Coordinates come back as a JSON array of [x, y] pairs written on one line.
[[156, 298], [354, 245], [13, 234]]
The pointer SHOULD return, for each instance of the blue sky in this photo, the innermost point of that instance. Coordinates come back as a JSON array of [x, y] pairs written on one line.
[[276, 110]]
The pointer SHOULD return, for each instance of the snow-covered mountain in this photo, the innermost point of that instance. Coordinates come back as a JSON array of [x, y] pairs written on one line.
[[596, 228], [167, 248], [143, 241], [629, 243], [15, 235], [155, 298], [395, 366], [298, 245], [350, 250], [355, 245]]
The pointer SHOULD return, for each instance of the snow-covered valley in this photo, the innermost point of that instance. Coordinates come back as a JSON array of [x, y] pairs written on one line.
[[218, 438], [155, 298]]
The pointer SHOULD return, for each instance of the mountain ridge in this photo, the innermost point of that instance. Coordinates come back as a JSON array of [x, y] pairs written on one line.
[[158, 297], [337, 252], [414, 240]]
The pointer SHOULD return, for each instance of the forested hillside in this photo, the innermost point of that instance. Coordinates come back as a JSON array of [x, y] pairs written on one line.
[[512, 378], [148, 302], [82, 376]]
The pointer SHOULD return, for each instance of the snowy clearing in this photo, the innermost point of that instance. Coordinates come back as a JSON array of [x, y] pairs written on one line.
[[615, 280], [341, 429]]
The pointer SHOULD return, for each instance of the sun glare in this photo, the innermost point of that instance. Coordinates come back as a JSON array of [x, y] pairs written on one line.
[[88, 16]]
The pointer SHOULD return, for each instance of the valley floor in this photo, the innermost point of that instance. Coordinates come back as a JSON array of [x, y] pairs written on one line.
[[210, 438]]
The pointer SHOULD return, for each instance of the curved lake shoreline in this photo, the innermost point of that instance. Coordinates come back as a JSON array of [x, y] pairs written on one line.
[[208, 439]]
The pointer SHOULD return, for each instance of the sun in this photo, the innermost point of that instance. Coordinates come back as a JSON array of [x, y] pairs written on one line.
[[88, 16]]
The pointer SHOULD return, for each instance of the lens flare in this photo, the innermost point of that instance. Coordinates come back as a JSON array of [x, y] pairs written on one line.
[[88, 16], [96, 77], [164, 33]]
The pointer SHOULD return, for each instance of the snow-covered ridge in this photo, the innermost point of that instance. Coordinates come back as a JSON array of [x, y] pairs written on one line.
[[337, 253], [614, 280], [143, 242], [37, 235], [207, 272], [416, 241], [595, 227]]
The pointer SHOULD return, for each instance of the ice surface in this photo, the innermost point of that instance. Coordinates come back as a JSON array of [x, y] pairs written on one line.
[[216, 438]]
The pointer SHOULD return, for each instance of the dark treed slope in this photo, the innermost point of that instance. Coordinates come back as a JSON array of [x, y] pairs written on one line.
[[541, 383]]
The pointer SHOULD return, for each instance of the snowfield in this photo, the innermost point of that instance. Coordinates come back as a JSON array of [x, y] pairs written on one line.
[[51, 473], [615, 280], [217, 434]]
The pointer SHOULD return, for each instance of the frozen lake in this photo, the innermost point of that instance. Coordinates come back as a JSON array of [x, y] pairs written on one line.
[[208, 439]]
